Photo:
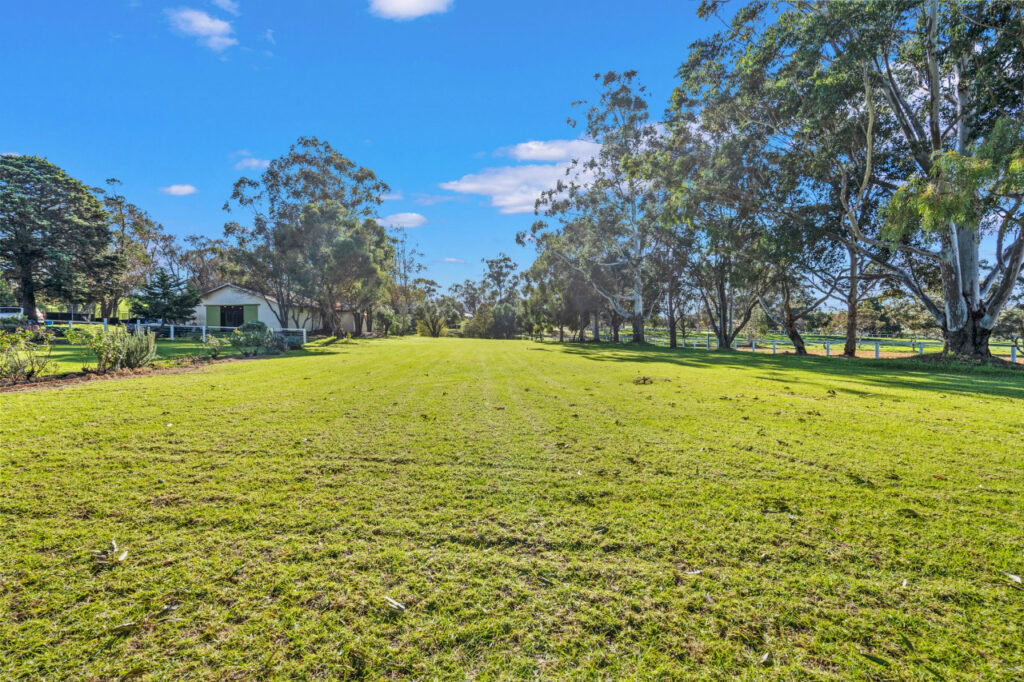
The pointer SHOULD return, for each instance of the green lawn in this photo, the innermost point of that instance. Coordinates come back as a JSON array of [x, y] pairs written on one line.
[[529, 508], [68, 358]]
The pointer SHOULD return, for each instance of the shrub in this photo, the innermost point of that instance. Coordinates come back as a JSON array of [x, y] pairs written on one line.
[[423, 330], [290, 342], [435, 315], [253, 338], [498, 321], [214, 346], [22, 356], [479, 327], [117, 348]]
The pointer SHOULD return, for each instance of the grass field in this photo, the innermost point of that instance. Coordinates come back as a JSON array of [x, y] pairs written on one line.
[[449, 508], [68, 358]]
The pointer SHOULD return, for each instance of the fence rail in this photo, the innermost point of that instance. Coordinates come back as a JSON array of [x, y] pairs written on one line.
[[879, 345], [706, 340], [177, 330]]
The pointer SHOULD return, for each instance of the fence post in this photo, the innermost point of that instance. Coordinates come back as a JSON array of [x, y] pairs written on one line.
[[172, 332], [828, 349], [920, 348], [1013, 354], [104, 324], [707, 340], [204, 334], [69, 324], [753, 345], [876, 350], [303, 336], [773, 347]]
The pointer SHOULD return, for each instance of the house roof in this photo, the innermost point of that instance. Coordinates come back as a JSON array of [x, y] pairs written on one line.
[[301, 300], [240, 288]]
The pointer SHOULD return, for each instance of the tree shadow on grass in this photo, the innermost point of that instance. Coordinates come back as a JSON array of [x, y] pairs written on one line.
[[894, 373]]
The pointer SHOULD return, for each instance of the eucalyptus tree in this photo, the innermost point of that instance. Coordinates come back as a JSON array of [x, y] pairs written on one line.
[[338, 261], [468, 294], [501, 280], [53, 232], [269, 248], [937, 86], [606, 210], [402, 291], [204, 262], [137, 243], [569, 298], [718, 192]]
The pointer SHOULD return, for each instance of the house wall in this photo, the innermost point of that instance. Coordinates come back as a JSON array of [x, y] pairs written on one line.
[[302, 319]]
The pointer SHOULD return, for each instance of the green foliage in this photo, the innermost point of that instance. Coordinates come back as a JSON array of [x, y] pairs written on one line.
[[385, 319], [286, 342], [53, 231], [166, 298], [117, 348], [425, 330], [498, 321], [254, 338], [136, 241], [7, 296], [436, 315], [312, 236], [23, 355], [215, 345]]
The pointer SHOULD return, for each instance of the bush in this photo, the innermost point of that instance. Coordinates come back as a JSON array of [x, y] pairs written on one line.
[[290, 342], [499, 321], [117, 348], [22, 357], [253, 338], [424, 330], [435, 315], [214, 346]]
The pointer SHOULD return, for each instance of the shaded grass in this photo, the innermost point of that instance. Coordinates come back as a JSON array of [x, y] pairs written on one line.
[[533, 510], [71, 358]]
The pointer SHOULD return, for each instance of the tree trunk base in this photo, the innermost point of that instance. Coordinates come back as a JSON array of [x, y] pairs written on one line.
[[970, 342]]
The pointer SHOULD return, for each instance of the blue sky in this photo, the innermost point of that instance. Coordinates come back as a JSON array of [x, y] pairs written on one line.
[[460, 106]]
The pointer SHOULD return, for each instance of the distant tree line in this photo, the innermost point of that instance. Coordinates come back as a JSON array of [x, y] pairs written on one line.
[[851, 166], [866, 154]]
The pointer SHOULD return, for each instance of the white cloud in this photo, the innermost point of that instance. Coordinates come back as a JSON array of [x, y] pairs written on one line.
[[403, 10], [553, 150], [179, 190], [457, 261], [229, 6], [393, 196], [252, 163], [512, 189], [405, 220], [269, 36], [515, 189], [208, 31]]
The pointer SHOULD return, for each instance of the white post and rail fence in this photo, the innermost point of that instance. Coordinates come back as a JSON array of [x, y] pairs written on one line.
[[176, 330]]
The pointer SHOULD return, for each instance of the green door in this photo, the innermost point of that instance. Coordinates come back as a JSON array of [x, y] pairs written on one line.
[[213, 316], [251, 313]]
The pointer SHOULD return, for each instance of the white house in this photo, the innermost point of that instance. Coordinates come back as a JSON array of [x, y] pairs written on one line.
[[230, 305]]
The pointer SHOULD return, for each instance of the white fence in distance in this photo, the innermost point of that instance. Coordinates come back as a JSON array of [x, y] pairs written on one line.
[[704, 340], [175, 330]]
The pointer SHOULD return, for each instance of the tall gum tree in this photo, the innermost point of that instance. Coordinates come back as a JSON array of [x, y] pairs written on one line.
[[606, 208], [270, 248], [939, 83]]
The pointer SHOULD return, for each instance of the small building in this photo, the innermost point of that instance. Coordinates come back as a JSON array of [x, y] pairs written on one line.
[[231, 305]]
